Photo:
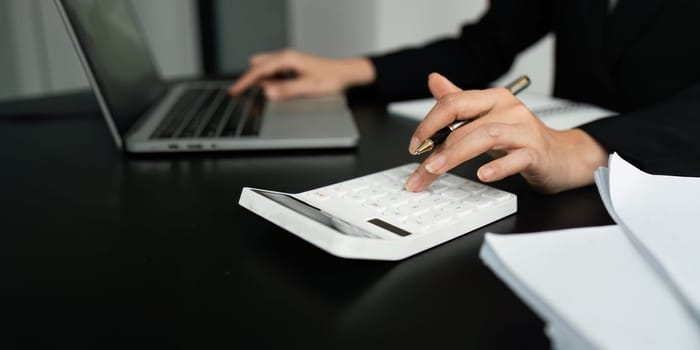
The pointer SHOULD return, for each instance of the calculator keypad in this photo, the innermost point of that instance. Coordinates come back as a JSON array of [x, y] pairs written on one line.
[[447, 199]]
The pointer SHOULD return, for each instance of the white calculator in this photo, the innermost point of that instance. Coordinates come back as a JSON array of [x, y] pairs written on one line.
[[374, 217]]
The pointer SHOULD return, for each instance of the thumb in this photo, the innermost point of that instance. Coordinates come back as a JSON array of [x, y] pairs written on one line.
[[440, 86]]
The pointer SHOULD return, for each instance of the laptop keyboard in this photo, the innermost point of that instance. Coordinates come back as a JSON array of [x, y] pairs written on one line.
[[206, 112]]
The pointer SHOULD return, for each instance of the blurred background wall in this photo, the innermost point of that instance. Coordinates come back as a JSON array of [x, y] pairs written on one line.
[[37, 57]]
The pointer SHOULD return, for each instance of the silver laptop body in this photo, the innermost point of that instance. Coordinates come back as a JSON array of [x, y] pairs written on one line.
[[144, 114]]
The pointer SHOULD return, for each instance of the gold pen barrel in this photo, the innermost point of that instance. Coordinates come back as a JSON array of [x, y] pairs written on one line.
[[518, 85], [429, 144]]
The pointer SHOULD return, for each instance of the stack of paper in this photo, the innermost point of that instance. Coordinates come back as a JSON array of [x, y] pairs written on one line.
[[661, 217], [554, 112], [629, 286]]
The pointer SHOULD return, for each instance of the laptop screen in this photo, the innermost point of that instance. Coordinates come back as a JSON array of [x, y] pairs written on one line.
[[118, 56]]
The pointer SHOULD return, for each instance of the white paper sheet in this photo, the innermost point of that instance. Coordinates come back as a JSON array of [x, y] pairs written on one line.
[[661, 217], [593, 288], [554, 112]]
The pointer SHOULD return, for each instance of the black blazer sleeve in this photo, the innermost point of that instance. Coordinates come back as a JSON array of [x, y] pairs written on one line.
[[647, 67], [483, 52], [663, 138]]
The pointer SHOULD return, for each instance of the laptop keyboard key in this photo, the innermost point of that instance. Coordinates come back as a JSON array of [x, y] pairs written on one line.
[[201, 115], [214, 125], [254, 117], [177, 114], [231, 119]]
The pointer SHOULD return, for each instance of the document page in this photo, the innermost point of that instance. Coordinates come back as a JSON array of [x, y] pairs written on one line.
[[593, 288], [556, 113], [661, 217]]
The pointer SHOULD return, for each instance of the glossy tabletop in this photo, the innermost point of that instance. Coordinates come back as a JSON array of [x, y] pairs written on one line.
[[105, 250]]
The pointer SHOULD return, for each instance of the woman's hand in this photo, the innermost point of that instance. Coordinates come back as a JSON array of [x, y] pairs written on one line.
[[550, 160], [310, 75]]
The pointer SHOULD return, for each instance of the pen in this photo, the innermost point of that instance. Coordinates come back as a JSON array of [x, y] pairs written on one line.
[[439, 137]]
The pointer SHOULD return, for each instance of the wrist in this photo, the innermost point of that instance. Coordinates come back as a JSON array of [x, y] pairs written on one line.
[[357, 71], [588, 156]]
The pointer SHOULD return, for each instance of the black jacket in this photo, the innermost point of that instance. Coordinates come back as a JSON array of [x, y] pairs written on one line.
[[642, 60]]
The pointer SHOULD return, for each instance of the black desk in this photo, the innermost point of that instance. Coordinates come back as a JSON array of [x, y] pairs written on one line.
[[103, 250]]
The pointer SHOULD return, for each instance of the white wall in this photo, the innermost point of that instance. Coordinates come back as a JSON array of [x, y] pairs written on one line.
[[344, 28], [412, 22], [335, 28], [172, 29], [43, 60], [28, 54]]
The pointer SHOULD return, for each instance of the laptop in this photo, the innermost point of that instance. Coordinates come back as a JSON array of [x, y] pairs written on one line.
[[146, 114]]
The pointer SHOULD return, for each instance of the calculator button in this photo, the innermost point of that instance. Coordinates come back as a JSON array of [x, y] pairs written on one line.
[[413, 209], [437, 187], [374, 205], [434, 202], [356, 197], [395, 216], [496, 194], [416, 225], [474, 187], [392, 186], [437, 217], [393, 200], [451, 180], [455, 194], [414, 196], [372, 193], [478, 201], [458, 209]]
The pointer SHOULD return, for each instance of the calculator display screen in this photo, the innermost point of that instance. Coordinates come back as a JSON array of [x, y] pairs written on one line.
[[299, 207], [333, 222], [389, 227]]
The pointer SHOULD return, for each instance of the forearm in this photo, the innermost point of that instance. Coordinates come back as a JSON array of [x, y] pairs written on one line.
[[482, 52], [357, 71]]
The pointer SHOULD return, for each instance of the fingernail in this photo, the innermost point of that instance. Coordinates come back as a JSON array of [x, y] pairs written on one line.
[[435, 164], [415, 142], [413, 182], [485, 173]]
